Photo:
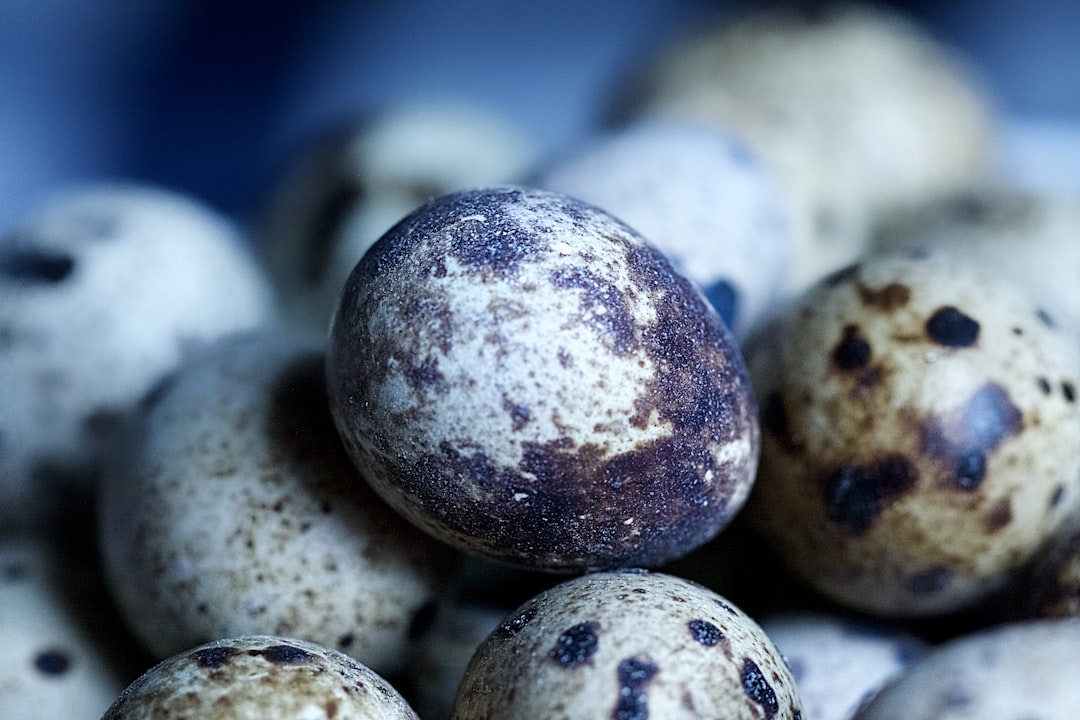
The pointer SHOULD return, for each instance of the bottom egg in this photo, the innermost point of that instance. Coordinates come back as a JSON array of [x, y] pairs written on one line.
[[627, 645], [260, 677]]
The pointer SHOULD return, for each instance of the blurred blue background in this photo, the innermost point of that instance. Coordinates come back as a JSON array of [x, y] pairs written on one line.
[[209, 98]]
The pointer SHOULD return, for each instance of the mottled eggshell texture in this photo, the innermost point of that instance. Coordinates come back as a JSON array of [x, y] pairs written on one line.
[[627, 645], [236, 511], [103, 289], [259, 677], [524, 376], [62, 657], [700, 195], [1022, 670], [349, 184], [919, 433], [839, 662]]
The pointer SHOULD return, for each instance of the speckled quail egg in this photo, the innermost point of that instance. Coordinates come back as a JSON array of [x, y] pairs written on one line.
[[257, 677], [234, 510], [858, 109], [1020, 670], [1033, 237], [66, 656], [839, 662], [919, 434], [525, 377], [627, 645], [102, 291], [701, 196], [348, 184]]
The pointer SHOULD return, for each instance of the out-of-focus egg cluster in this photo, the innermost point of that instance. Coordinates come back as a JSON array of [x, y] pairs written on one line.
[[757, 400]]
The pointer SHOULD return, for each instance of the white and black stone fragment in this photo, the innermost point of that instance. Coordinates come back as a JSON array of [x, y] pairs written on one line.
[[525, 377]]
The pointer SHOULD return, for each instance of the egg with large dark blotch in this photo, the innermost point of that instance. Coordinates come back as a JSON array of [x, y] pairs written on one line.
[[525, 377], [919, 427]]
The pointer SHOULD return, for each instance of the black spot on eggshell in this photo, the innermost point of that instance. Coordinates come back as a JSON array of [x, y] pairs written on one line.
[[28, 264], [1055, 496], [855, 495], [284, 655], [1045, 386], [705, 633], [1068, 391], [214, 657], [519, 414], [1045, 318], [929, 581], [513, 625], [970, 468], [724, 297], [422, 620], [990, 416], [758, 689], [346, 641], [52, 662], [999, 515], [950, 327], [634, 675], [852, 352], [576, 645]]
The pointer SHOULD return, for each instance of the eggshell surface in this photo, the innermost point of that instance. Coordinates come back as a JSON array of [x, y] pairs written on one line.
[[920, 423], [627, 645], [525, 377], [234, 510], [257, 677], [103, 289]]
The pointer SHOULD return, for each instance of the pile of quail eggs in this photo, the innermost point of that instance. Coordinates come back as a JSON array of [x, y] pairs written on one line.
[[759, 403]]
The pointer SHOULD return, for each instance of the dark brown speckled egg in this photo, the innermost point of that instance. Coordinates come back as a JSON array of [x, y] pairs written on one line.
[[256, 677], [627, 645], [525, 377], [920, 426]]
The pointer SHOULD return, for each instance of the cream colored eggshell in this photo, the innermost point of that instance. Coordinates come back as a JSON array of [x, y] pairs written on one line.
[[258, 677], [524, 377], [919, 426], [858, 108], [1020, 670], [235, 511], [631, 645], [701, 196], [839, 662], [350, 184], [63, 657], [103, 289], [1033, 237]]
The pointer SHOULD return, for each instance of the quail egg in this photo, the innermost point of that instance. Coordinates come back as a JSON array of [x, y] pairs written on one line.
[[350, 183], [840, 662], [525, 377], [859, 110], [919, 423], [103, 289], [1019, 670], [700, 195], [234, 510], [257, 677], [628, 645]]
